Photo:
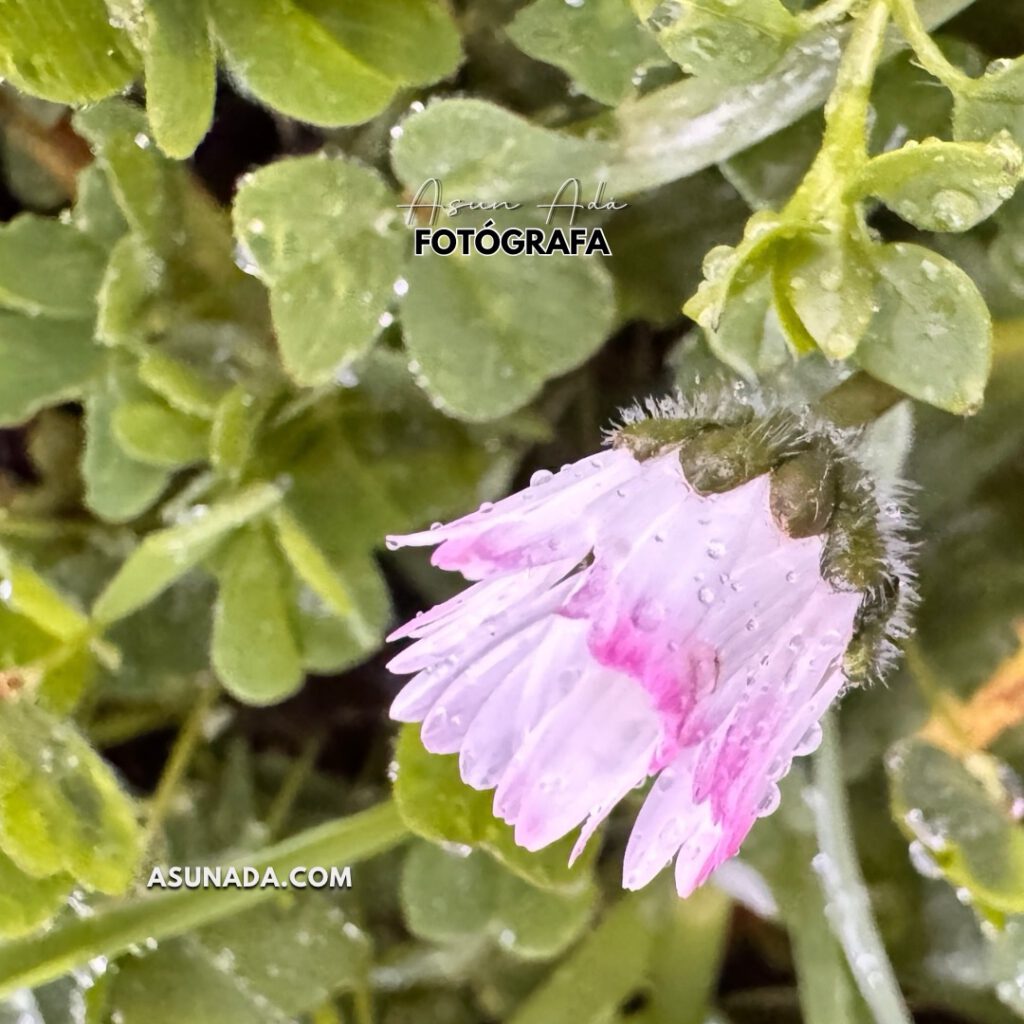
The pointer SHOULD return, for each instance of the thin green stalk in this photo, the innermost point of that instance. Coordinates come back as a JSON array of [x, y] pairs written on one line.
[[298, 772], [362, 1004], [117, 927], [177, 764], [931, 58], [824, 14], [847, 900]]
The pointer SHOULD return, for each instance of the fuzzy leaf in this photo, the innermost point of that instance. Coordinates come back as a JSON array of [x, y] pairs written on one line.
[[325, 236], [482, 350], [932, 334], [69, 53], [255, 654], [599, 44], [62, 812]]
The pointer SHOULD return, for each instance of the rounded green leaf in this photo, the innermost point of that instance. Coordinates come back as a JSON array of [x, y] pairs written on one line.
[[325, 237], [44, 362], [725, 40], [991, 104], [599, 44], [960, 813], [48, 268], [291, 60], [180, 73], [62, 812], [931, 335], [255, 653], [486, 332], [66, 52], [943, 186], [158, 435]]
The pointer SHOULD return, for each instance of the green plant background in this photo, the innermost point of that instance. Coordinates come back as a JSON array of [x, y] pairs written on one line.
[[224, 379]]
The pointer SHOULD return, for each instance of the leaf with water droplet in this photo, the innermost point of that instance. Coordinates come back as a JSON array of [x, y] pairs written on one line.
[[326, 238], [62, 812], [166, 555], [488, 331], [985, 106], [961, 811], [727, 41], [599, 44], [827, 283], [931, 335], [276, 962], [943, 186]]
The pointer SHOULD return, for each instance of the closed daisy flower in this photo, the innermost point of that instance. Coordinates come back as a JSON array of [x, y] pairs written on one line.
[[684, 605]]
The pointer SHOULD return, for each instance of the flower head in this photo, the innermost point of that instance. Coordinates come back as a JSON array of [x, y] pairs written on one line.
[[684, 605]]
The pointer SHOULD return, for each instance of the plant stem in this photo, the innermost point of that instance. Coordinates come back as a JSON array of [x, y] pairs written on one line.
[[932, 59], [115, 928], [830, 10], [298, 773], [177, 764], [847, 901]]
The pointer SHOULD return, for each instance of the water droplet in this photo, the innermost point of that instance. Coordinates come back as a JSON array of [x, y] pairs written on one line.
[[401, 287], [809, 742], [542, 476], [716, 549], [769, 802], [706, 595]]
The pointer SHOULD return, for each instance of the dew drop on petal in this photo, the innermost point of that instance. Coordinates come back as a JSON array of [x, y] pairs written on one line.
[[542, 476]]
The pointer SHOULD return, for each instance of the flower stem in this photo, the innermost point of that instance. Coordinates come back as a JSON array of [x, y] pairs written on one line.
[[298, 773], [177, 764], [932, 59], [846, 894]]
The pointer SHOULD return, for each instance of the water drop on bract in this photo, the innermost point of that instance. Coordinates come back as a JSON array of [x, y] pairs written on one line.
[[769, 802], [716, 549], [542, 476], [706, 595]]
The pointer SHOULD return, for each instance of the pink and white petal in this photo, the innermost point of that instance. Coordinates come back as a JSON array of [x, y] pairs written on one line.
[[540, 524], [564, 770]]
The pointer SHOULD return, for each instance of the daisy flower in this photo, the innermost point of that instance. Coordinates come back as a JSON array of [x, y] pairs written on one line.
[[684, 606]]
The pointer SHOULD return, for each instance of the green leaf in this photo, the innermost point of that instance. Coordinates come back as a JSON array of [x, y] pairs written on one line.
[[487, 331], [743, 337], [480, 150], [117, 487], [26, 903], [448, 897], [932, 334], [44, 362], [599, 44], [62, 812], [829, 282], [274, 962], [29, 594], [325, 236], [182, 387], [959, 812], [166, 555], [96, 213], [330, 644], [413, 42], [180, 73], [48, 268], [117, 927], [437, 805], [69, 53], [158, 435], [235, 424], [992, 104], [148, 187], [255, 653], [289, 59], [943, 186], [601, 973], [725, 40]]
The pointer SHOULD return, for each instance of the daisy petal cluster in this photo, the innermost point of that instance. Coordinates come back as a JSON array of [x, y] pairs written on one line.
[[683, 606]]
